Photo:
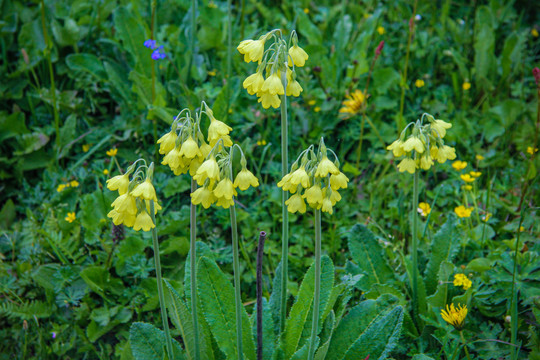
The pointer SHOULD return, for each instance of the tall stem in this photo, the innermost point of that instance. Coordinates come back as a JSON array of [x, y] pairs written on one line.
[[316, 297], [193, 268], [48, 47], [284, 212], [237, 294], [154, 123], [160, 284], [400, 123], [464, 345], [229, 53], [192, 39], [415, 246], [260, 255]]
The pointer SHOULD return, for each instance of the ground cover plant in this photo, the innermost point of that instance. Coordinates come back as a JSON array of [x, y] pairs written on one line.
[[269, 180]]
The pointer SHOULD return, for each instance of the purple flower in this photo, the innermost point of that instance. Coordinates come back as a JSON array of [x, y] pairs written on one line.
[[54, 335], [158, 53], [151, 44]]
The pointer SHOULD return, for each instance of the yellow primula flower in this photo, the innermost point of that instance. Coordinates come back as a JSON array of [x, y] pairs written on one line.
[[173, 159], [208, 170], [122, 218], [298, 55], [145, 190], [426, 162], [296, 203], [326, 167], [244, 179], [419, 83], [273, 85], [314, 196], [327, 205], [120, 183], [112, 152], [253, 83], [455, 316], [397, 148], [444, 153], [467, 178], [463, 212], [338, 181], [70, 217], [218, 130], [125, 204], [190, 149], [298, 177], [167, 142], [143, 221], [415, 143], [408, 165], [203, 196], [267, 100], [252, 49], [334, 196], [424, 209], [462, 280], [293, 88], [354, 103], [459, 165], [440, 127], [225, 189], [224, 203]]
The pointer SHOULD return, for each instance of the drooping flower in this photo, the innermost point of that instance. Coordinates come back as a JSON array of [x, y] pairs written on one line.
[[145, 190], [120, 183], [326, 167], [244, 179], [208, 170], [204, 196], [408, 165], [143, 221], [167, 142], [298, 55], [296, 203]]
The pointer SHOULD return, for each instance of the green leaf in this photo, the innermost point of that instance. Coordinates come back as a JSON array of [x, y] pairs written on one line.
[[370, 328], [148, 343], [484, 44], [421, 357], [368, 254], [444, 246], [100, 281], [87, 63], [385, 79], [439, 298], [479, 265], [269, 337], [7, 214], [217, 297], [300, 316]]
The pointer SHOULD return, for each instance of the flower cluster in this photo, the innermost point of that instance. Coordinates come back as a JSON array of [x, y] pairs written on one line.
[[318, 176], [278, 63], [423, 145], [462, 280], [158, 52], [455, 316], [184, 145], [215, 175], [72, 183], [136, 197]]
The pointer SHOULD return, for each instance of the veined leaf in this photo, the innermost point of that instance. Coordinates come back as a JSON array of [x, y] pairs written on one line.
[[148, 343]]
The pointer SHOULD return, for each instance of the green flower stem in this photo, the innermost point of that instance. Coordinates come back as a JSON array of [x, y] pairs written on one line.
[[514, 303], [192, 39], [464, 345], [415, 247], [160, 284], [316, 298], [229, 53], [284, 211], [193, 268], [237, 295], [154, 123], [47, 52]]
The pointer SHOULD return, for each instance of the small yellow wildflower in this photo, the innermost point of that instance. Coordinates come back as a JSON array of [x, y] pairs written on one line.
[[521, 229], [479, 157], [467, 187], [367, 15], [70, 217], [380, 30], [455, 316], [112, 152], [486, 217], [105, 172], [466, 85], [86, 147], [463, 212], [467, 178], [317, 109], [74, 183], [459, 165], [354, 103], [61, 187], [419, 83], [312, 102], [462, 280], [306, 10], [530, 150], [212, 72], [534, 32], [424, 209], [475, 174]]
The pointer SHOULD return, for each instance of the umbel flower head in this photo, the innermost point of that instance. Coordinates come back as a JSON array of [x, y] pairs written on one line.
[[314, 179], [278, 63], [135, 198], [184, 145], [455, 316], [216, 177], [421, 145]]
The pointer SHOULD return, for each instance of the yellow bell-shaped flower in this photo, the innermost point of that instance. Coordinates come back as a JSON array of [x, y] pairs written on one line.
[[296, 203], [273, 85], [244, 179], [298, 55], [203, 196], [326, 167], [225, 189], [120, 183], [145, 190], [144, 222], [167, 142]]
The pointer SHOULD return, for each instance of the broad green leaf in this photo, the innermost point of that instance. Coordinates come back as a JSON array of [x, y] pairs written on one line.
[[275, 298], [421, 357], [444, 247], [484, 44], [439, 298], [87, 63], [370, 328], [269, 337], [217, 297], [148, 343], [326, 336], [299, 317], [368, 254]]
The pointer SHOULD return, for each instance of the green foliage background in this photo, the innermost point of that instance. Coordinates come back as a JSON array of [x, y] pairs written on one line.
[[72, 290]]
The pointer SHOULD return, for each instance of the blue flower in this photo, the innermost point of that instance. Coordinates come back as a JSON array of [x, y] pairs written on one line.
[[158, 53], [151, 44]]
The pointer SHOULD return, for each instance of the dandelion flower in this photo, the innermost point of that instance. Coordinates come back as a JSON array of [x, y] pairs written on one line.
[[354, 103], [455, 316]]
